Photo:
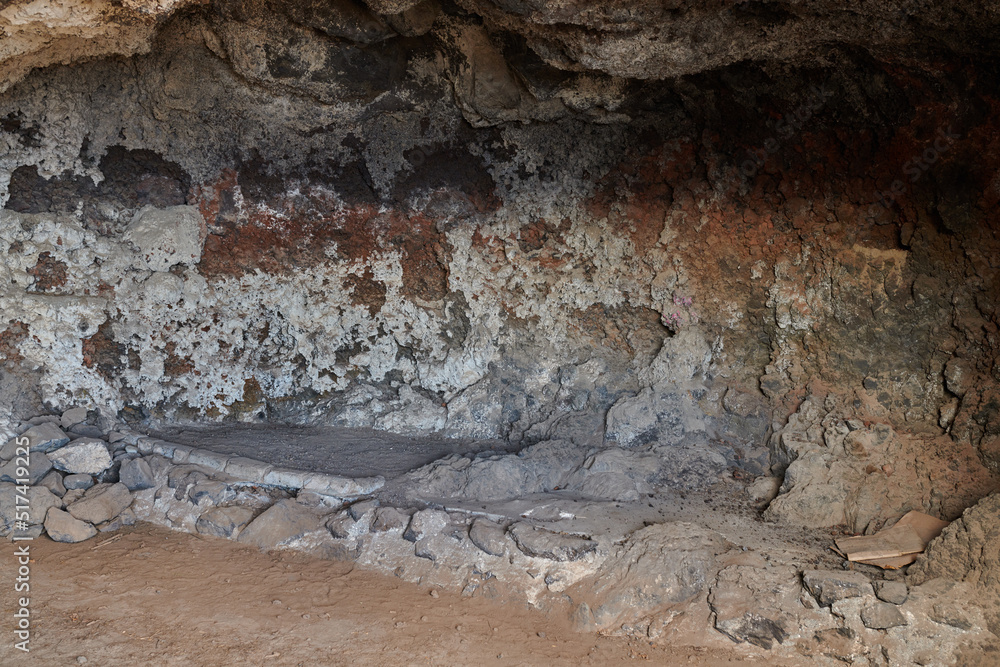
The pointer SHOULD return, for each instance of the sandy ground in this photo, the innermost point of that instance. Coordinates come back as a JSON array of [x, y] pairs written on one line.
[[157, 597]]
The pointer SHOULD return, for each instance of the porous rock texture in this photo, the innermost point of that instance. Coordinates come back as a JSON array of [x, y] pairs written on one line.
[[651, 244]]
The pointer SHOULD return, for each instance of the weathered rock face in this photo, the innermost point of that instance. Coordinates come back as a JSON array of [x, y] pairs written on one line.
[[512, 220]]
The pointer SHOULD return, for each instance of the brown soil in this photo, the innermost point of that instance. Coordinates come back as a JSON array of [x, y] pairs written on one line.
[[158, 597]]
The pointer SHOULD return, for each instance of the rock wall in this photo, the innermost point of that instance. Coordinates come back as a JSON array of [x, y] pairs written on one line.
[[481, 221]]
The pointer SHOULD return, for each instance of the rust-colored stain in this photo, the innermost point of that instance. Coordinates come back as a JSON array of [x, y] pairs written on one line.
[[366, 291], [103, 353], [10, 339], [48, 272]]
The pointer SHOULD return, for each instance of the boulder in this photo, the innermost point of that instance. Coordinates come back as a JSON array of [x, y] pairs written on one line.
[[41, 438], [136, 474], [38, 467], [101, 503], [83, 455], [284, 521], [54, 483], [63, 527]]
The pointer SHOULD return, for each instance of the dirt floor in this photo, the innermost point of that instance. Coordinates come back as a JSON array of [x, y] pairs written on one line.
[[148, 595]]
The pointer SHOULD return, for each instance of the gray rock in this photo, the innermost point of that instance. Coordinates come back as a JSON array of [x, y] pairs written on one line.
[[78, 481], [224, 521], [828, 586], [389, 518], [424, 523], [41, 438], [136, 475], [62, 527], [54, 483], [881, 615], [38, 467], [753, 628], [39, 498], [436, 546], [754, 603], [126, 518], [284, 521], [542, 543], [110, 474], [84, 455], [489, 537], [289, 479], [895, 592], [101, 503]]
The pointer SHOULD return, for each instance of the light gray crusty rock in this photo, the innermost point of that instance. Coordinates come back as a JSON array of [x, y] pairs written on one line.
[[41, 438], [224, 521], [101, 503], [284, 521], [167, 236], [542, 543], [63, 527], [83, 455], [72, 417]]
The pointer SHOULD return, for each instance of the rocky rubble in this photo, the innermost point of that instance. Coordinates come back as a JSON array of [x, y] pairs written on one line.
[[658, 581]]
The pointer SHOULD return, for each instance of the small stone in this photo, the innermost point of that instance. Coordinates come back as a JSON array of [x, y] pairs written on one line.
[[101, 503], [136, 475], [764, 489], [434, 594], [881, 616], [81, 659], [895, 592], [41, 438], [78, 481], [541, 634], [828, 586], [83, 455], [62, 527]]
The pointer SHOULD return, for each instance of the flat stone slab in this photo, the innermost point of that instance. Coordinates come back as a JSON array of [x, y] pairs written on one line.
[[38, 467], [542, 543], [83, 455], [879, 615]]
